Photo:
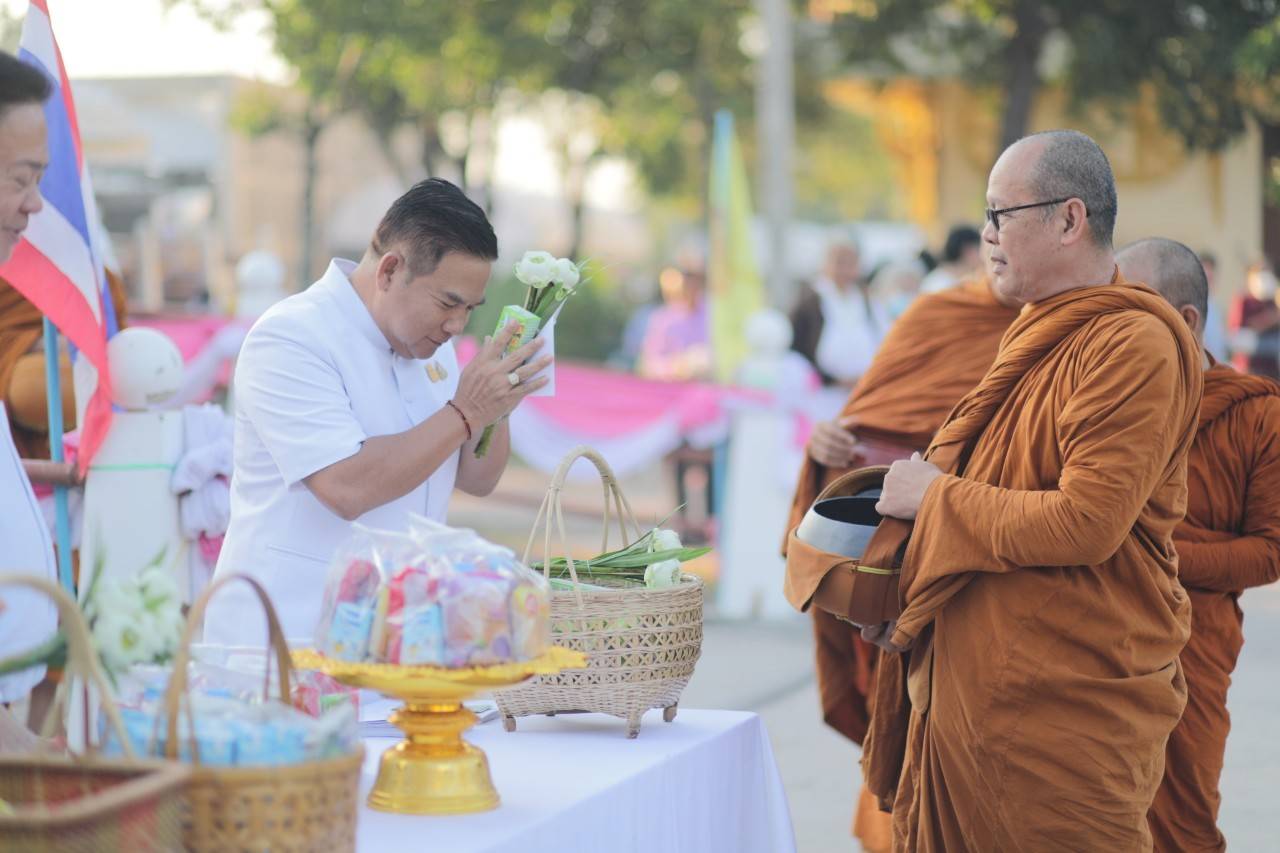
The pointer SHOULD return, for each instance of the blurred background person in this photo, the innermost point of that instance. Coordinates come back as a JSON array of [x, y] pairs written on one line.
[[961, 258], [837, 324], [1215, 325], [677, 337], [1255, 324], [896, 284]]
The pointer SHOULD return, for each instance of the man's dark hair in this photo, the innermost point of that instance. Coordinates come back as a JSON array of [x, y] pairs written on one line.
[[960, 238], [21, 84], [432, 219]]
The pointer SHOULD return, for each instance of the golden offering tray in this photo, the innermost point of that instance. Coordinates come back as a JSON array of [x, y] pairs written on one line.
[[433, 770]]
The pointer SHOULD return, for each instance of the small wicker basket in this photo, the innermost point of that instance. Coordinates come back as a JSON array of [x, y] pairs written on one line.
[[89, 803], [641, 644], [303, 807]]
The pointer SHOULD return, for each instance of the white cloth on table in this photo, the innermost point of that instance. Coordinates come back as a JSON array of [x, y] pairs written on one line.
[[706, 783], [315, 379], [27, 617]]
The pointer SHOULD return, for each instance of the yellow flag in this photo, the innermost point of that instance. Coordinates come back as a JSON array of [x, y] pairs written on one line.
[[733, 280]]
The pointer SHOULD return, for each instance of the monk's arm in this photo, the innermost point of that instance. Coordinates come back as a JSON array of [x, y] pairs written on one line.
[[1253, 557], [1116, 434], [1231, 566]]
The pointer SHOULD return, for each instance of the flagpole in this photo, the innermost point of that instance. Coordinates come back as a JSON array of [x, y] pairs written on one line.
[[53, 388]]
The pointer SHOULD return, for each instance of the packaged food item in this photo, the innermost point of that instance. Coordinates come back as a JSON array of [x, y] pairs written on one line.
[[315, 693], [234, 727], [431, 596], [530, 619]]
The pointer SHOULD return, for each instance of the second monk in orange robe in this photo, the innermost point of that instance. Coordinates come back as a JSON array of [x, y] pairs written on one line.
[[935, 353], [1228, 542]]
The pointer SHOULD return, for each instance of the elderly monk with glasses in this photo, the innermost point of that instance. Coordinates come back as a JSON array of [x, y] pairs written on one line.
[[1033, 678]]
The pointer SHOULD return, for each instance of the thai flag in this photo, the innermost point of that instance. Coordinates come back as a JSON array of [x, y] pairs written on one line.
[[58, 265]]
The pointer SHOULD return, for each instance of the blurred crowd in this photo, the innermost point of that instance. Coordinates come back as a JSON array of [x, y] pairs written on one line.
[[841, 315]]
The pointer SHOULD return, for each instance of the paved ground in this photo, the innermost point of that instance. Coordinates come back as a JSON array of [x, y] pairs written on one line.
[[768, 668]]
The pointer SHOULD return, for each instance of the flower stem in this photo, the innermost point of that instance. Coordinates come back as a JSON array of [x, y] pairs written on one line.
[[486, 438]]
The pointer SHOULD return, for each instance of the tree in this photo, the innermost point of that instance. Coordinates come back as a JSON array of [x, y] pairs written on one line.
[[1188, 50], [326, 56], [640, 79]]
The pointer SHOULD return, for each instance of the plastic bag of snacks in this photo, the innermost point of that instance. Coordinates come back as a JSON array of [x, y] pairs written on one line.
[[356, 592], [233, 726], [242, 669], [433, 595]]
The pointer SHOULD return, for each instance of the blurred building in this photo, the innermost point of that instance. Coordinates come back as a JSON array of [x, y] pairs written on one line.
[[942, 135], [184, 193]]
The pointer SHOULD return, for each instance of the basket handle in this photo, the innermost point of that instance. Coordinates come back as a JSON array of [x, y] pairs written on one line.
[[551, 508], [178, 692], [82, 658]]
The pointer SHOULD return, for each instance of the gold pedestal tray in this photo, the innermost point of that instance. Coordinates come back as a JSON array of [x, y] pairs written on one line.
[[433, 770]]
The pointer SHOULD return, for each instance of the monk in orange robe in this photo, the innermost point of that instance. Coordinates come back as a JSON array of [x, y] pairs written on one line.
[[1228, 542], [936, 352], [1038, 677], [22, 379]]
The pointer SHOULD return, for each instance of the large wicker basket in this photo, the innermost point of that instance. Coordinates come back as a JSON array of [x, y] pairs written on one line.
[[304, 807], [90, 803], [641, 644]]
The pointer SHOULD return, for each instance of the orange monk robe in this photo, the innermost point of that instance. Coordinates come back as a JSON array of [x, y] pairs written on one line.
[[932, 356], [1041, 592], [1229, 541], [22, 379]]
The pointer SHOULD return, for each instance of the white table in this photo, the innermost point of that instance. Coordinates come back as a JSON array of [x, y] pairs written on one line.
[[702, 784]]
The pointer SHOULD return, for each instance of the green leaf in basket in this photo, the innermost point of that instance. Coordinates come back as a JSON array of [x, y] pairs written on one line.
[[52, 652], [647, 558]]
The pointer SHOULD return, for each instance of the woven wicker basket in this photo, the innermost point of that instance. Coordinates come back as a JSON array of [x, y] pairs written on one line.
[[303, 807], [641, 644], [88, 803]]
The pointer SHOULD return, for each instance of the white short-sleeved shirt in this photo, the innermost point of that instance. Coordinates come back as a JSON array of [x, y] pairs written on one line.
[[314, 379], [27, 617]]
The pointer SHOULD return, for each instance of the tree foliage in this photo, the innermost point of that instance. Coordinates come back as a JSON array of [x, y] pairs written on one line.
[[1211, 62]]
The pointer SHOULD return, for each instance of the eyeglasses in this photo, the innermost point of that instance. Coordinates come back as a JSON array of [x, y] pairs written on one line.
[[993, 216]]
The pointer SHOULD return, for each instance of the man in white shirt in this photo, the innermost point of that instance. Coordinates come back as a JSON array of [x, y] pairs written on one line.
[[350, 406], [838, 325]]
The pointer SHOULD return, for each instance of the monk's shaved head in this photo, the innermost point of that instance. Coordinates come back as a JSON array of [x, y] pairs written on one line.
[[1169, 268], [1071, 165]]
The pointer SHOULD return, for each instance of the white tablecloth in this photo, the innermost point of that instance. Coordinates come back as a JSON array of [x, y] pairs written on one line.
[[574, 784]]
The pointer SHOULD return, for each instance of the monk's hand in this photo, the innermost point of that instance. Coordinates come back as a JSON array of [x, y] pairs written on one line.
[[832, 445], [881, 635], [905, 485], [486, 392]]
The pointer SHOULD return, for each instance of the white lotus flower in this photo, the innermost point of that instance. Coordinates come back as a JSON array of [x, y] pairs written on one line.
[[567, 274], [110, 596], [536, 269], [662, 575], [122, 638], [164, 628], [157, 587], [666, 540]]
